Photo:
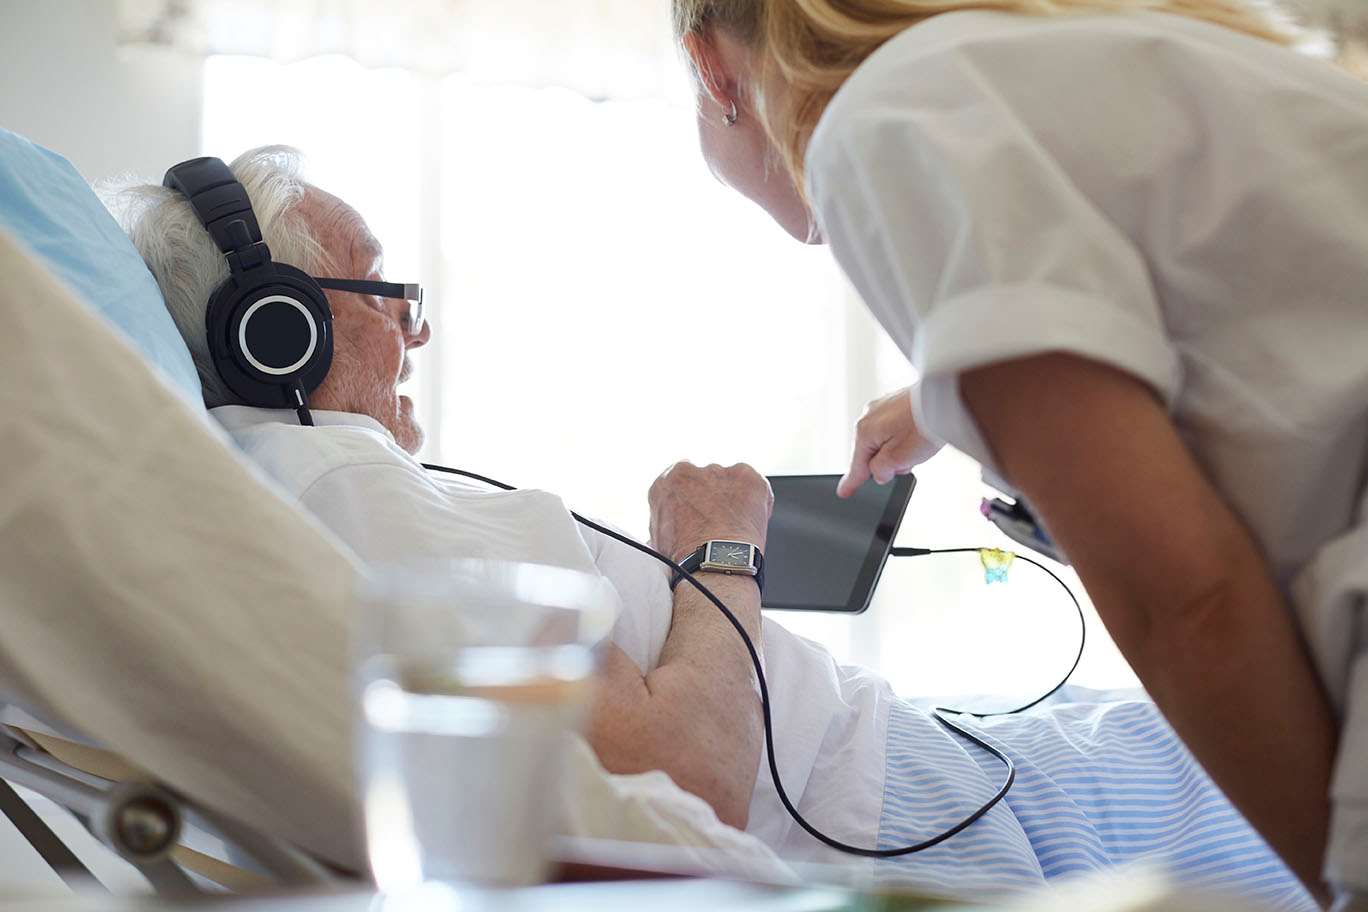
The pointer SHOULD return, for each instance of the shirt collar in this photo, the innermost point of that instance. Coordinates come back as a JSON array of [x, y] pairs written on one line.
[[240, 417]]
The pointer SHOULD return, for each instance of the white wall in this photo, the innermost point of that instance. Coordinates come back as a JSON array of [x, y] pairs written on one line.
[[65, 85]]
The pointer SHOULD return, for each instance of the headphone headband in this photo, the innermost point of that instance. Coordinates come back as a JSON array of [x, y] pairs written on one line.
[[223, 208]]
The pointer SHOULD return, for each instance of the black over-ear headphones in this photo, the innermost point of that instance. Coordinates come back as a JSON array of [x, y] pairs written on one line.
[[269, 325]]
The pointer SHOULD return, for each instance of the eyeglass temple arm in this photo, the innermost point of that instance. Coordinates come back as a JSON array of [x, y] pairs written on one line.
[[381, 289]]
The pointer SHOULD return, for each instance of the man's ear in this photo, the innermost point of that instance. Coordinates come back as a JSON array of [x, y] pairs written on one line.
[[709, 68]]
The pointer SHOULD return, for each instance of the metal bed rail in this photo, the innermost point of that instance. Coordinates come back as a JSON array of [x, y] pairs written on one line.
[[141, 822]]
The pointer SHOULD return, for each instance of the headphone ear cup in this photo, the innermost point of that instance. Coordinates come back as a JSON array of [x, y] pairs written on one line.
[[270, 338]]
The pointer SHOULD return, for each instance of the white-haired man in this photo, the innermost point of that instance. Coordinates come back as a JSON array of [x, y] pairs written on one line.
[[1097, 784], [684, 717]]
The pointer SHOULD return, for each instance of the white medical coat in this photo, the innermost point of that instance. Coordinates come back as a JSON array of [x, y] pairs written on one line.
[[1175, 199]]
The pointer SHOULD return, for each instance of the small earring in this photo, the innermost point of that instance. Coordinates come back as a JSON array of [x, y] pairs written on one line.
[[731, 116]]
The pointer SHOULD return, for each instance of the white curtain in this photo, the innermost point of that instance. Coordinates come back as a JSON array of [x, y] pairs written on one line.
[[602, 48]]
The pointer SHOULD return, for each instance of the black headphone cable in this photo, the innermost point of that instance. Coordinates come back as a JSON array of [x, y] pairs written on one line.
[[301, 405], [938, 713]]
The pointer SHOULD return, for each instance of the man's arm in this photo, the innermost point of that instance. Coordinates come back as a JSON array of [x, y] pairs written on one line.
[[696, 716], [1179, 581]]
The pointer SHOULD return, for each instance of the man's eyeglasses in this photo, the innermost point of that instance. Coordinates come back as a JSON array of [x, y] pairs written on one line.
[[413, 294]]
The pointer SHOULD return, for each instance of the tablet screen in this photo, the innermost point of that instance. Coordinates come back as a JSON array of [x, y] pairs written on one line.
[[823, 553]]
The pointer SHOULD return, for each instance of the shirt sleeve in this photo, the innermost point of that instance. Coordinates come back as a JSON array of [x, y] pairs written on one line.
[[397, 520], [969, 241]]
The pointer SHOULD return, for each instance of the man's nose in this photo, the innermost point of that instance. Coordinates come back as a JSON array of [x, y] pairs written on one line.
[[421, 338]]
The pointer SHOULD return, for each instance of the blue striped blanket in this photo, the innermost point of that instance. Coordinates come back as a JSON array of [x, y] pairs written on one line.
[[1098, 785]]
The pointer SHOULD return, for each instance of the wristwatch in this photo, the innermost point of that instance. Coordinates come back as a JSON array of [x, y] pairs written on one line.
[[733, 558]]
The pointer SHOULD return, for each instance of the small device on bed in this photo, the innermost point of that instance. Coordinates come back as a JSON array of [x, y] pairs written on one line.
[[824, 553], [1017, 522]]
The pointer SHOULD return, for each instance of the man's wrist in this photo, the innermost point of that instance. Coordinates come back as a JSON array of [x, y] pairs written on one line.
[[717, 580]]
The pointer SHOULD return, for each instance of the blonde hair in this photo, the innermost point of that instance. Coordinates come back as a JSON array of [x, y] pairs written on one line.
[[810, 47]]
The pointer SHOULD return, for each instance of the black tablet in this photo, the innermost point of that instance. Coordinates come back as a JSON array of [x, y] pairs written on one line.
[[824, 553]]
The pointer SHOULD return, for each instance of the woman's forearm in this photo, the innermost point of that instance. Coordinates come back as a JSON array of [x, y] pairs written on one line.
[[1229, 673], [1178, 579]]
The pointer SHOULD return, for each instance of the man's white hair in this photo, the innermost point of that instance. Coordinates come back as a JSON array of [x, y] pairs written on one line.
[[183, 258]]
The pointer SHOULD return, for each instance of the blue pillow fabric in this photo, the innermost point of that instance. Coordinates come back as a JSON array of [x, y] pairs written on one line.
[[47, 205]]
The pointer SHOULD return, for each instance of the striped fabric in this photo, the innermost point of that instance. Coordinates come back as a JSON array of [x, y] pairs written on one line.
[[1097, 785]]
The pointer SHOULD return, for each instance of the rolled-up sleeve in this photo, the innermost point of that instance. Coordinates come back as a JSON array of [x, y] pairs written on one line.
[[969, 241]]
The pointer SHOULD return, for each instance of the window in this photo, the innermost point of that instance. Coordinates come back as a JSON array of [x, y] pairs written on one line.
[[602, 308]]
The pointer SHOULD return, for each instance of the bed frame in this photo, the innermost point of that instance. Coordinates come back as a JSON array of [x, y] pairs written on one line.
[[182, 849]]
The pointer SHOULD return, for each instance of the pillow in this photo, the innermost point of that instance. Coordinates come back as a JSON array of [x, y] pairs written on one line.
[[49, 207]]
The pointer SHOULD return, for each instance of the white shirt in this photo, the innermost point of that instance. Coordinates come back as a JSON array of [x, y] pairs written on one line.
[[830, 720], [1169, 197]]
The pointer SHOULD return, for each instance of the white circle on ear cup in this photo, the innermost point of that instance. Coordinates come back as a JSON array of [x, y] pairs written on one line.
[[247, 352]]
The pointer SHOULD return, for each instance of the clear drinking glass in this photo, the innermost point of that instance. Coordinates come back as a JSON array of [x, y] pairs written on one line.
[[472, 676]]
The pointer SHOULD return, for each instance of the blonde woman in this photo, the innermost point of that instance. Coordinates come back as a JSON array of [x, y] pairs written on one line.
[[1124, 243]]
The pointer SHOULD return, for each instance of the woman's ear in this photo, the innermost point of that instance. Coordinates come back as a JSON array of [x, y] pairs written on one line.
[[710, 68]]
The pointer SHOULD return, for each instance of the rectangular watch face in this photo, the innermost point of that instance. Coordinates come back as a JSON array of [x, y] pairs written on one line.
[[735, 555]]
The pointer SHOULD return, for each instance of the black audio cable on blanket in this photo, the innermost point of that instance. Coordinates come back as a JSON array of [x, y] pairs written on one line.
[[938, 713]]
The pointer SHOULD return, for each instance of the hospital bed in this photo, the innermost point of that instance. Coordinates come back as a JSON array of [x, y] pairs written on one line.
[[176, 635]]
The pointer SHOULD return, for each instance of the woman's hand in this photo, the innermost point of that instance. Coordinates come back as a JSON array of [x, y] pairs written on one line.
[[887, 443], [691, 505]]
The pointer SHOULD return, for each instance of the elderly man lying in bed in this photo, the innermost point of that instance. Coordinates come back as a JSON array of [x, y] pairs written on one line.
[[1097, 784]]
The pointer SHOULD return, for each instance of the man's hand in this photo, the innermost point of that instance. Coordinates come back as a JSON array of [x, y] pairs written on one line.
[[691, 505], [887, 443]]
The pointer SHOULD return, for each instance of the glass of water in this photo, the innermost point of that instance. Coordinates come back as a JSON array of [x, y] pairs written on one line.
[[473, 675]]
